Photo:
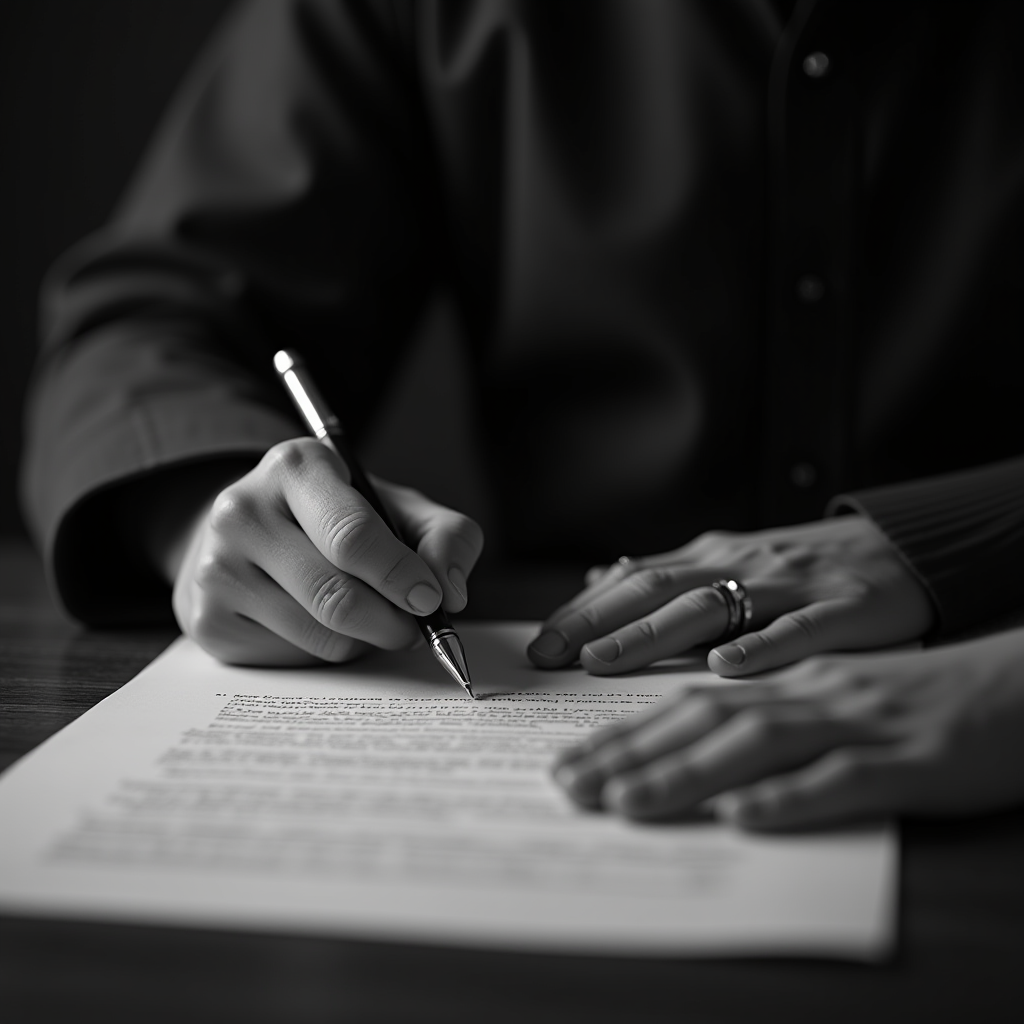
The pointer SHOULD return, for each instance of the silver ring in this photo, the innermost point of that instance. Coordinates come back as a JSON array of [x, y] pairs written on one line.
[[624, 566], [738, 605]]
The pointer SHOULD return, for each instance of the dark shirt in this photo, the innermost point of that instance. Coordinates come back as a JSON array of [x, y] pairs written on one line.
[[716, 261]]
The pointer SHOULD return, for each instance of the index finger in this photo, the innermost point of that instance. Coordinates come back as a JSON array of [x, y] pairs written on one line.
[[611, 607], [344, 527]]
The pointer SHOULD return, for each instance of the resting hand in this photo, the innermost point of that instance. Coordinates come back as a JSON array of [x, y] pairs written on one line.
[[931, 732], [290, 565], [838, 584]]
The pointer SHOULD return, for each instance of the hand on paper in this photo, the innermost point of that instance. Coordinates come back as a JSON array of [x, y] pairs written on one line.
[[932, 732], [289, 564], [838, 584]]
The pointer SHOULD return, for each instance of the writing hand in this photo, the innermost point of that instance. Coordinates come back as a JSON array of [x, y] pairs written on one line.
[[289, 564], [931, 732], [838, 584]]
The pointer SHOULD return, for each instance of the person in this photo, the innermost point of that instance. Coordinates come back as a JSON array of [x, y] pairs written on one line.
[[723, 268]]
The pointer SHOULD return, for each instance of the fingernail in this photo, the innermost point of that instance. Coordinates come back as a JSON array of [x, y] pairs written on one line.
[[565, 777], [731, 654], [550, 644], [457, 579], [607, 649], [423, 598]]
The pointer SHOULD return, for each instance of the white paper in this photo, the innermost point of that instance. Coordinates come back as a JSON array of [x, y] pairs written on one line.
[[377, 800]]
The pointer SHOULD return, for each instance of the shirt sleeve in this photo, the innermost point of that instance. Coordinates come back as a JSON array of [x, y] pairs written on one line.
[[282, 202], [961, 534]]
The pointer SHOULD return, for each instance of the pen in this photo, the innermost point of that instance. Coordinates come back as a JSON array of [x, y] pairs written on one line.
[[327, 429]]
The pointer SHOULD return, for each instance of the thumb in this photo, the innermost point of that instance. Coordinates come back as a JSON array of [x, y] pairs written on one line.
[[448, 541]]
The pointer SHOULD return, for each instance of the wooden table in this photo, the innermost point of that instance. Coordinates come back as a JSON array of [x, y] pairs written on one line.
[[960, 958]]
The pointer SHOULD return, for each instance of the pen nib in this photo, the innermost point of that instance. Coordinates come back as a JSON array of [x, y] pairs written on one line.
[[448, 650]]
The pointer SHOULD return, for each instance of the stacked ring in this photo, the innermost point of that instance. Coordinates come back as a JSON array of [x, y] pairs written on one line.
[[738, 605]]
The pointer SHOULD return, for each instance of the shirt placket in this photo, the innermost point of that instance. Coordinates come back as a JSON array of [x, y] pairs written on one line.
[[813, 195]]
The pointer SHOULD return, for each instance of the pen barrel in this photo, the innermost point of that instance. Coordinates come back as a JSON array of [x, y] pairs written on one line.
[[327, 429]]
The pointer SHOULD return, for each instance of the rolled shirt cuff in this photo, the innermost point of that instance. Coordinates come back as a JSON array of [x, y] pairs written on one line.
[[92, 570], [961, 534]]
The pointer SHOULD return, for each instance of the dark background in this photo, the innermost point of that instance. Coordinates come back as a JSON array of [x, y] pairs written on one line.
[[83, 84]]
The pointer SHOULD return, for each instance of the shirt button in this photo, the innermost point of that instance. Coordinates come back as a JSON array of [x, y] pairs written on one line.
[[810, 288], [803, 475], [816, 64]]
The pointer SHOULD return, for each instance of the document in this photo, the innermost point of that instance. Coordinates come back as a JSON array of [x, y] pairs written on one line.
[[377, 800]]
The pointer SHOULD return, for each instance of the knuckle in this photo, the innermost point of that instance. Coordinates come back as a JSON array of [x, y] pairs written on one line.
[[648, 631], [590, 617], [335, 602], [233, 509], [746, 551], [817, 667], [840, 677], [824, 674], [650, 582], [714, 542], [861, 681], [759, 725], [764, 639], [289, 457], [804, 623], [793, 557], [709, 540], [710, 537], [213, 571]]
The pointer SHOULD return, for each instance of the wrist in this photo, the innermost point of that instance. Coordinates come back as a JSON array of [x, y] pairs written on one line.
[[170, 506]]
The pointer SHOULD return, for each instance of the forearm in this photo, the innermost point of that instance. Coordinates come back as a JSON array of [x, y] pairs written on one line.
[[269, 211]]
